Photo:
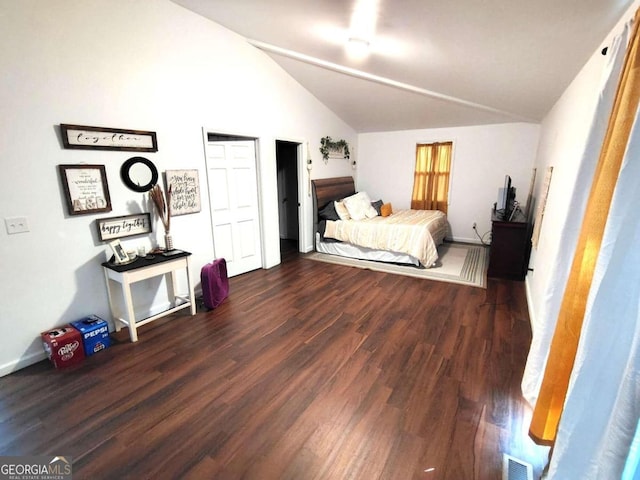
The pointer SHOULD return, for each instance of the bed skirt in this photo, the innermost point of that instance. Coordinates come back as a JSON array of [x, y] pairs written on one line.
[[344, 249]]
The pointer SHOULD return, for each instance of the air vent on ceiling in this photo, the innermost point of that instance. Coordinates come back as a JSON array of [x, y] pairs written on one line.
[[515, 469]]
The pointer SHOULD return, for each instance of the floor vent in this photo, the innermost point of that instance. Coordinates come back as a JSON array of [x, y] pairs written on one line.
[[515, 469]]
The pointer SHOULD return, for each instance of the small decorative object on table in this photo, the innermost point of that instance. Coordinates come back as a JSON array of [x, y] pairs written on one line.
[[119, 255], [164, 213]]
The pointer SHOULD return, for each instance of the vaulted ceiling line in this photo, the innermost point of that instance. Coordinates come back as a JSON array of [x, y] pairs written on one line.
[[381, 80]]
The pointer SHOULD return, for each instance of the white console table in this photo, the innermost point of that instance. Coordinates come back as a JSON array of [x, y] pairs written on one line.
[[141, 269]]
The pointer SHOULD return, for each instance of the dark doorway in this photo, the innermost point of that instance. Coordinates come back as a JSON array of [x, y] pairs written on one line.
[[288, 201]]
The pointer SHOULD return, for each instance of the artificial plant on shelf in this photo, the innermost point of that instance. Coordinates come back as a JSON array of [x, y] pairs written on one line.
[[327, 146], [162, 208]]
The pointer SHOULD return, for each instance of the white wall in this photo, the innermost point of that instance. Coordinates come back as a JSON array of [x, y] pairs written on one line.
[[148, 65], [562, 142], [482, 156], [563, 138]]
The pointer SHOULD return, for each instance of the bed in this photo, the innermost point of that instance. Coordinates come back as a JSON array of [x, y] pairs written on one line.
[[405, 236]]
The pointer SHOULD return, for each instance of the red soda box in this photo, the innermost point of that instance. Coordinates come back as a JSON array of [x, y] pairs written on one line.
[[63, 346]]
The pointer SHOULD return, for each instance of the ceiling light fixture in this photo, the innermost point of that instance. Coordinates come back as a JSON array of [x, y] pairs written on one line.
[[357, 47], [362, 27]]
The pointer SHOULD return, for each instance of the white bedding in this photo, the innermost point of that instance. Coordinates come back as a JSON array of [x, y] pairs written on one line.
[[413, 232]]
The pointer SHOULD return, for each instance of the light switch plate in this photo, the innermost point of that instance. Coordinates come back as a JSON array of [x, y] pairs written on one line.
[[16, 225]]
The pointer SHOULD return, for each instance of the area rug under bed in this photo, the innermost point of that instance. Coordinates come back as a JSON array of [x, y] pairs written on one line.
[[461, 263]]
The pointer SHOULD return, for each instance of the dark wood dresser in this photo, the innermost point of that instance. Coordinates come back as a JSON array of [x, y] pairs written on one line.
[[510, 247]]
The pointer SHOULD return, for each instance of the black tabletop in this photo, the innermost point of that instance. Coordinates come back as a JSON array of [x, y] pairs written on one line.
[[146, 261]]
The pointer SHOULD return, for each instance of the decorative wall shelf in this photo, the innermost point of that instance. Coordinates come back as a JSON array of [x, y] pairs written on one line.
[[334, 149]]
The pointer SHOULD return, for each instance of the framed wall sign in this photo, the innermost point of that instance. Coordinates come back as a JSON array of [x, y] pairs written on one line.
[[124, 226], [185, 191], [85, 188], [101, 138]]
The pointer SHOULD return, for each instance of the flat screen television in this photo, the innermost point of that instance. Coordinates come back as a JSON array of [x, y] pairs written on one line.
[[506, 200]]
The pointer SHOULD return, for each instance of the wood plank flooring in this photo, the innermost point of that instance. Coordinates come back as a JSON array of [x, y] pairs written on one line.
[[307, 371]]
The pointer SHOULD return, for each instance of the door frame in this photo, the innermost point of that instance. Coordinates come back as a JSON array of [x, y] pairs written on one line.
[[235, 136], [305, 244], [265, 148]]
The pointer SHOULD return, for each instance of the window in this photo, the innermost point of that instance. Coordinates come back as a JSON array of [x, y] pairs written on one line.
[[431, 177]]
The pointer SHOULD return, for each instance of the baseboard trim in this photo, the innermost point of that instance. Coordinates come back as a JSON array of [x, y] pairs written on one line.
[[474, 241], [22, 362]]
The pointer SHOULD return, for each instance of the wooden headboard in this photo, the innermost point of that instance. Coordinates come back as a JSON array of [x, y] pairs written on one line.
[[327, 190]]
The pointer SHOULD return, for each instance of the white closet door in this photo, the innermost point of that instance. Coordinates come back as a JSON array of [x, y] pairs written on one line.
[[233, 197]]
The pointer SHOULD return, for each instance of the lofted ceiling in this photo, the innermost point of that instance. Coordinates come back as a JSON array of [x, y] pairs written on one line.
[[432, 63]]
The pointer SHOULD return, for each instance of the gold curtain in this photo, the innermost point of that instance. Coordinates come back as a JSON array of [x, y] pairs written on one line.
[[431, 177], [548, 408]]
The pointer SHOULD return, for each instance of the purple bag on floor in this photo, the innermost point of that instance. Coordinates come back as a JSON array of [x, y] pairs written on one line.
[[215, 283]]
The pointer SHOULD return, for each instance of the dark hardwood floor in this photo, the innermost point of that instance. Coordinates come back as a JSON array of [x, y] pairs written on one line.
[[307, 371]]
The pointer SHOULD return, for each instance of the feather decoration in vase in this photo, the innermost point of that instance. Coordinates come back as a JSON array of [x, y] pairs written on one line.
[[162, 208]]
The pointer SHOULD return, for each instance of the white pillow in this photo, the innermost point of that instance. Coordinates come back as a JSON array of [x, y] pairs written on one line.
[[359, 206], [341, 210]]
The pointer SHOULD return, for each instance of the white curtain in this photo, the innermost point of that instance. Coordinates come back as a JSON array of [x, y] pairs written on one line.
[[602, 408], [568, 238]]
